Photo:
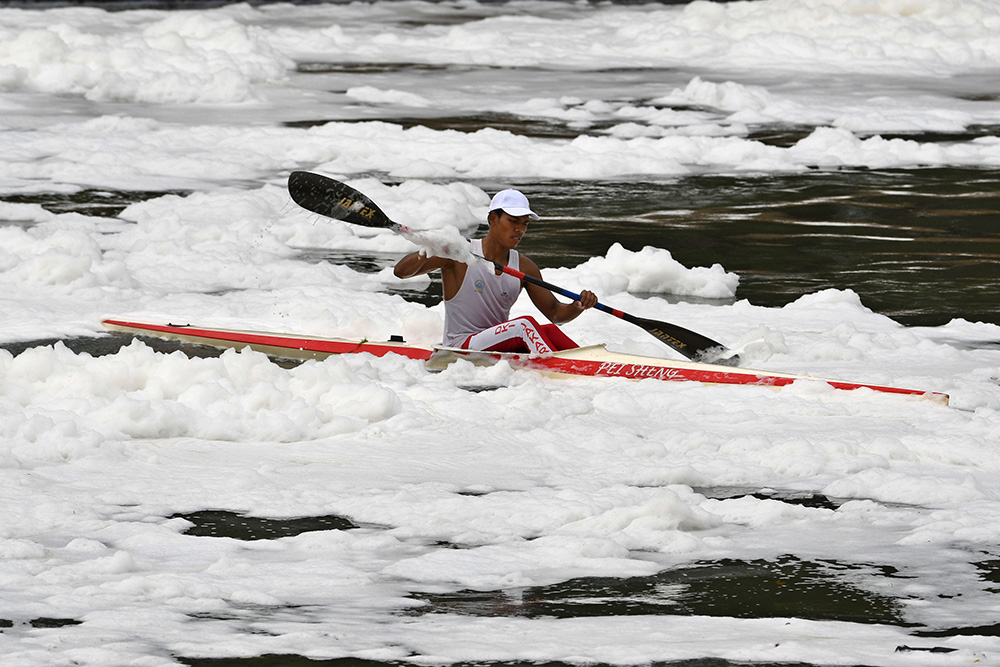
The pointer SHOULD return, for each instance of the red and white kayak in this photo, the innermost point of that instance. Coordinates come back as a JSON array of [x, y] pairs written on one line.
[[593, 361]]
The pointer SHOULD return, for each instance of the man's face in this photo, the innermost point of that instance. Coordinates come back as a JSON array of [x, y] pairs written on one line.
[[508, 228]]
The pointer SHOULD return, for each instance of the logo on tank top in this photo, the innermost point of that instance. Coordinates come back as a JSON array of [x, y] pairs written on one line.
[[480, 285]]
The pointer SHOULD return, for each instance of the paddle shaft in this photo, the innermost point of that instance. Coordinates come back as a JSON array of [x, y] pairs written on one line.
[[549, 286]]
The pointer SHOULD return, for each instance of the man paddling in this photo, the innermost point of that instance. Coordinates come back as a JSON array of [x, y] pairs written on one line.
[[478, 299]]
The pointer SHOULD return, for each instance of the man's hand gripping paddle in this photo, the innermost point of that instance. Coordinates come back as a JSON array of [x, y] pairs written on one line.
[[334, 199]]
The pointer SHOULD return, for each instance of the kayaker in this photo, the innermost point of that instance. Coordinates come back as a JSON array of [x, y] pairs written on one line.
[[478, 299]]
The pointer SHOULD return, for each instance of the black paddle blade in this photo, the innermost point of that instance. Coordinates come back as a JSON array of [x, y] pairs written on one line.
[[691, 344], [333, 199]]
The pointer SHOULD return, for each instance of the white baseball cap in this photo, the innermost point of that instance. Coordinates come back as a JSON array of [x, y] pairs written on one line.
[[513, 203]]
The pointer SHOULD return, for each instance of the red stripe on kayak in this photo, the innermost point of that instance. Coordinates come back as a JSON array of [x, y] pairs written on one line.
[[279, 341], [713, 376]]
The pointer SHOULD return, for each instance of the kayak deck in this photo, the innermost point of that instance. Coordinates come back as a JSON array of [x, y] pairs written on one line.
[[590, 361]]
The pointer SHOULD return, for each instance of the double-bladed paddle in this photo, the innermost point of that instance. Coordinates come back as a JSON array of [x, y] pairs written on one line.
[[333, 199]]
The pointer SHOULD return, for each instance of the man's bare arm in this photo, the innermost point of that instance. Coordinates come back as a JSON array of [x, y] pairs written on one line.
[[417, 264]]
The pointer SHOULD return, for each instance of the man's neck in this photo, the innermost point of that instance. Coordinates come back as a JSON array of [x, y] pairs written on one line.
[[494, 251]]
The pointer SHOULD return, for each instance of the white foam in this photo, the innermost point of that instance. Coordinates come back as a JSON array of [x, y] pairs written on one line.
[[535, 481]]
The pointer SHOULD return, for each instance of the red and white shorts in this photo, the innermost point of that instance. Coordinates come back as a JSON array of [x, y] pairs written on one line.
[[521, 334]]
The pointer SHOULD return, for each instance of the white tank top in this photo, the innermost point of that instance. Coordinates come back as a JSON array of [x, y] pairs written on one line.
[[483, 300]]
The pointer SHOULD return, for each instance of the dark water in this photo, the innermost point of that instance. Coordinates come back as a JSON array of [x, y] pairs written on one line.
[[785, 587], [820, 590], [921, 246]]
